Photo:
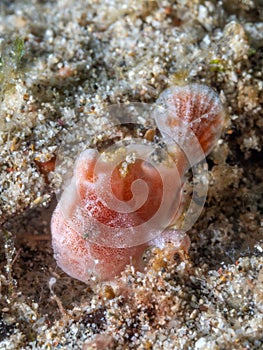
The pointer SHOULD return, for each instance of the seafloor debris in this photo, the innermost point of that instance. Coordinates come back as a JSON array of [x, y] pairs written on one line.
[[78, 57]]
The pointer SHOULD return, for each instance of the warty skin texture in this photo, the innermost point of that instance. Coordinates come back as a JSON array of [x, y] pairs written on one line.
[[90, 238]]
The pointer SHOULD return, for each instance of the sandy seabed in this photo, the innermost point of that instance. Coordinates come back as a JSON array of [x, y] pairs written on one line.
[[60, 62]]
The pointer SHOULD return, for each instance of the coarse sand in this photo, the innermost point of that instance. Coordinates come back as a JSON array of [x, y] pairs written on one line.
[[61, 62]]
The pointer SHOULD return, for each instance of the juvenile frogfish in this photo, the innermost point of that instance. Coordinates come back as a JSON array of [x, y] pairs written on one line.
[[125, 199]]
